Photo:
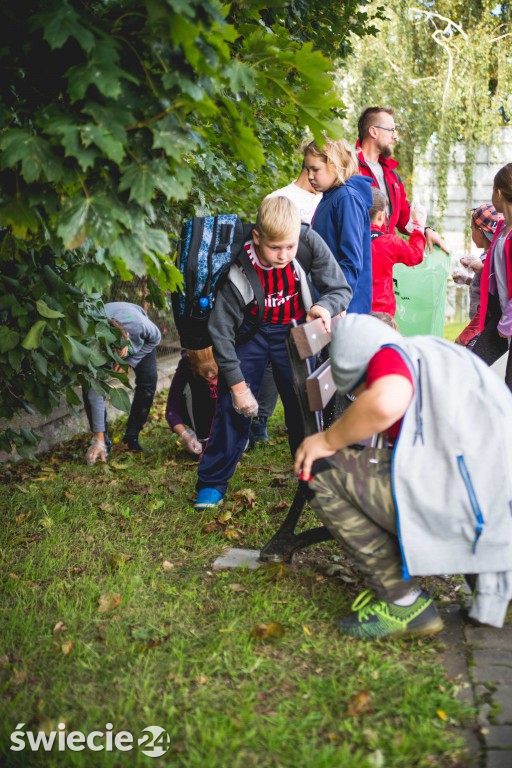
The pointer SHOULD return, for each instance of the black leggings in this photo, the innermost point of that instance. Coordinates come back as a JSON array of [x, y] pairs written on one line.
[[490, 346]]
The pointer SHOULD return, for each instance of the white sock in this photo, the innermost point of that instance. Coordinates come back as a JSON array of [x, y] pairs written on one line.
[[408, 599]]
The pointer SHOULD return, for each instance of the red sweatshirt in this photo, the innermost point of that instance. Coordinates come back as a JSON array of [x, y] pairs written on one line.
[[388, 250]]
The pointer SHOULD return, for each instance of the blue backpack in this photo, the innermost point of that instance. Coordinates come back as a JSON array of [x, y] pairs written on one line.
[[207, 248]]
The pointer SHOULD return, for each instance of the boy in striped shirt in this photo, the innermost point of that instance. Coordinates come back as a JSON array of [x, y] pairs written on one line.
[[297, 278]]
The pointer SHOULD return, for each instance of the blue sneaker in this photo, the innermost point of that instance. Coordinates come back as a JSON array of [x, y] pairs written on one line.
[[208, 497]]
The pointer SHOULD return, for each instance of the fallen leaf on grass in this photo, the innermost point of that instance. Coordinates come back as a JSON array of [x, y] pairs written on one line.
[[224, 516], [268, 631], [117, 466], [212, 527], [307, 631], [20, 519], [19, 676], [118, 560], [69, 495], [14, 576], [279, 506], [59, 627], [441, 714], [25, 539], [67, 647], [22, 488], [166, 565], [277, 571], [360, 704], [246, 495], [280, 480], [109, 601], [232, 534], [237, 587]]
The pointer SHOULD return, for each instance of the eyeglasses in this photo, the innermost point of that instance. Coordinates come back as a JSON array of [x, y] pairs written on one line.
[[392, 130]]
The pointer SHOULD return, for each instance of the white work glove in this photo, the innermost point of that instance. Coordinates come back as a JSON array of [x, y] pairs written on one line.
[[462, 277], [245, 403], [417, 219], [97, 450], [191, 443]]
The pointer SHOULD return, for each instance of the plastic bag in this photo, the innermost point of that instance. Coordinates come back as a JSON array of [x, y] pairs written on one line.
[[421, 294]]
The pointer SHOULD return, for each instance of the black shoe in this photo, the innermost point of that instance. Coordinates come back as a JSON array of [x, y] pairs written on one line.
[[132, 444]]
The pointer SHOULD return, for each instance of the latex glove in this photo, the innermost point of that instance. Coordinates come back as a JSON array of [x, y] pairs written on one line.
[[245, 403], [97, 450], [191, 443], [462, 277], [418, 217], [472, 262]]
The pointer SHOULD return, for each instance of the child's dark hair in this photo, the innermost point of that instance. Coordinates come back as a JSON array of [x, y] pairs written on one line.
[[503, 182], [386, 318], [379, 203]]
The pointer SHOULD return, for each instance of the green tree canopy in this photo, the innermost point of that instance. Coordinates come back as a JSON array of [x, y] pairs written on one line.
[[446, 68], [118, 117]]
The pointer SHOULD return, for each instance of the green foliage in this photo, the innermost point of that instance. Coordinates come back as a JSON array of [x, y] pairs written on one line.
[[446, 68], [119, 118]]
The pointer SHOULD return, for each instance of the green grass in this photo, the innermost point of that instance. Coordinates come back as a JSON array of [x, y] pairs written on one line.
[[145, 644], [452, 330]]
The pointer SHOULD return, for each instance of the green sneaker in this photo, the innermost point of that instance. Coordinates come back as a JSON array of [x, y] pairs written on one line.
[[376, 619]]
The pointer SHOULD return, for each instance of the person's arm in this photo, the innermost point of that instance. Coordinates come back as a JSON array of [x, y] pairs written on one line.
[[433, 238], [333, 291], [146, 338], [173, 413], [409, 252], [224, 322], [505, 323], [375, 410], [97, 449], [350, 224]]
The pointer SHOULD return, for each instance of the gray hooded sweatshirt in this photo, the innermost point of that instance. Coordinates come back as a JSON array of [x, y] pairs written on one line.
[[144, 337], [451, 469]]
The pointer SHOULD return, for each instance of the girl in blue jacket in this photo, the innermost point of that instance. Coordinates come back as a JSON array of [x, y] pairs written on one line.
[[342, 216]]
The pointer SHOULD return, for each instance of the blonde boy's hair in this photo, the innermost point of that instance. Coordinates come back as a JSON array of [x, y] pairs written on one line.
[[278, 219], [339, 156]]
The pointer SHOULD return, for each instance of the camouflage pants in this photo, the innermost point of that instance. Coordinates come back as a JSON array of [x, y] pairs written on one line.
[[352, 497]]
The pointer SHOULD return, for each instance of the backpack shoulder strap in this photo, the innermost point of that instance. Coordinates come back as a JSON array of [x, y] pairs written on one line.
[[254, 281], [304, 253]]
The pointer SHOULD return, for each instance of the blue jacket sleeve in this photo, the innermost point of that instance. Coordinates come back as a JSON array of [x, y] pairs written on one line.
[[349, 223]]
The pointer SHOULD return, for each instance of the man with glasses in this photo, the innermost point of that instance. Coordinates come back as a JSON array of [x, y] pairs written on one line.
[[377, 135]]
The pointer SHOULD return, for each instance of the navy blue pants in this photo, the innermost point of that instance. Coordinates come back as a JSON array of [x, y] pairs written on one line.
[[230, 431]]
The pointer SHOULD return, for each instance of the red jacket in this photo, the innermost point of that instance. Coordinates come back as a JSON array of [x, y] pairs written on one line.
[[388, 250], [488, 270], [400, 208]]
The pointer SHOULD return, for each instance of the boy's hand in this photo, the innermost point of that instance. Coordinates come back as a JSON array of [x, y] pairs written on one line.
[[312, 448], [471, 262], [321, 312], [243, 400], [97, 450]]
